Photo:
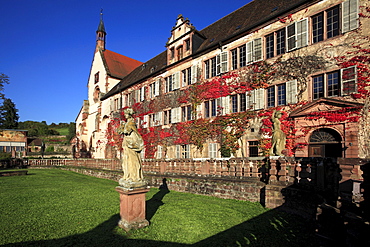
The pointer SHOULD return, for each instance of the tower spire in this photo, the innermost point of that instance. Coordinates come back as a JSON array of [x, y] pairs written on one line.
[[100, 34]]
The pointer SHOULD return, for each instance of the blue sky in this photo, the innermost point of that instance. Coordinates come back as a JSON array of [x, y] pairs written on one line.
[[47, 45]]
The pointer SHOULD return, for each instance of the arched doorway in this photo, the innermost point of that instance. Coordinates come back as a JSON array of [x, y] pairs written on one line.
[[325, 142]]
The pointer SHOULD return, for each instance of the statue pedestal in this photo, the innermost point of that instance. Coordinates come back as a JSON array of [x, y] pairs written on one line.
[[132, 208]]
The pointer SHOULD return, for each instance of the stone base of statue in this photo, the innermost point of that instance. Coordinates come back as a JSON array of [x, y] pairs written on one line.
[[132, 206]]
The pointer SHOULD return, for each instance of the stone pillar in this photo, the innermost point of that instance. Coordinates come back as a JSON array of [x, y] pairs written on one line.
[[132, 208]]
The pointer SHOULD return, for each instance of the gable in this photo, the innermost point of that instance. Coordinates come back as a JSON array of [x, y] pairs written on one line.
[[323, 105]]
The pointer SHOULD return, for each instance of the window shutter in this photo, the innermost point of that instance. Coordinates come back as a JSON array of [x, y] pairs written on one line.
[[291, 36], [111, 104], [146, 121], [257, 50], [194, 74], [302, 33], [156, 87], [159, 152], [226, 105], [349, 15], [224, 61], [291, 94], [176, 80], [250, 97], [250, 52], [259, 99], [348, 80], [178, 151], [176, 115], [199, 111], [218, 64], [142, 94], [158, 118]]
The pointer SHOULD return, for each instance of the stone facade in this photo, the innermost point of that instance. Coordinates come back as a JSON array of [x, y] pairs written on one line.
[[309, 80]]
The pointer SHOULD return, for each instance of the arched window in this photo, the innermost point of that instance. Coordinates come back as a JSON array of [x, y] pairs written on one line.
[[96, 95]]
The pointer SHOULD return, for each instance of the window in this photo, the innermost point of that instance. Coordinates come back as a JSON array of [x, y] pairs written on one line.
[[212, 150], [186, 113], [318, 28], [253, 148], [280, 41], [176, 115], [282, 94], [210, 68], [234, 59], [167, 117], [297, 35], [270, 46], [154, 88], [256, 99], [206, 69], [186, 77], [349, 15], [159, 152], [238, 102], [96, 77], [96, 95], [349, 80], [332, 24], [155, 119], [326, 24], [271, 96], [180, 52], [336, 83], [187, 44], [222, 62], [172, 82], [169, 84], [242, 56], [213, 67], [254, 50], [275, 43], [333, 84], [212, 108], [172, 53], [318, 86], [182, 151]]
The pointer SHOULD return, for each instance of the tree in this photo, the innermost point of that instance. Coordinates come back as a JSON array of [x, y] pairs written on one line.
[[4, 79], [8, 115], [71, 131]]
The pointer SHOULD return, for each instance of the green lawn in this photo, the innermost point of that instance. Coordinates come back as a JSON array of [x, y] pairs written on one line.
[[53, 207]]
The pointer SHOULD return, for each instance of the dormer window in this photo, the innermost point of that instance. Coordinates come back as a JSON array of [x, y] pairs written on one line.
[[187, 44], [180, 52], [172, 53]]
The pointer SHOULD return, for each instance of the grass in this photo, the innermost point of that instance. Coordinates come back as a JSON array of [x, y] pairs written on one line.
[[53, 207], [62, 131]]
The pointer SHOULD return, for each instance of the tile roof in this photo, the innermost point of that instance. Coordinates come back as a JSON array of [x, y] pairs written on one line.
[[118, 65], [237, 23]]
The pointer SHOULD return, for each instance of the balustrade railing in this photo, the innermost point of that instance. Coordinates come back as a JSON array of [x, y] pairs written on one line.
[[234, 167]]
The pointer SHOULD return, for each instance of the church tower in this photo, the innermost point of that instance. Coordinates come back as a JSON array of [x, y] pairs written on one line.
[[100, 34]]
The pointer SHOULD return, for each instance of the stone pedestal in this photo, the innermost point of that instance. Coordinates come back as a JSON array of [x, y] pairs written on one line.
[[132, 208]]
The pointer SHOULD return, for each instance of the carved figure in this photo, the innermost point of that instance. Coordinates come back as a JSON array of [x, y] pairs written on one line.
[[278, 136], [132, 145]]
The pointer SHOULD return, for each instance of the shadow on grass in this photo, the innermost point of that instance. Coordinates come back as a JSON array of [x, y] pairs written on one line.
[[155, 202], [249, 233], [273, 228]]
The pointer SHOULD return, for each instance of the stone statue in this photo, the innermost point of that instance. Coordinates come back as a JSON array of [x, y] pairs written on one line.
[[132, 145], [278, 136]]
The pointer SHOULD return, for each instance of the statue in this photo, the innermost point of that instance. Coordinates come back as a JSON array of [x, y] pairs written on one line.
[[132, 145], [278, 136]]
